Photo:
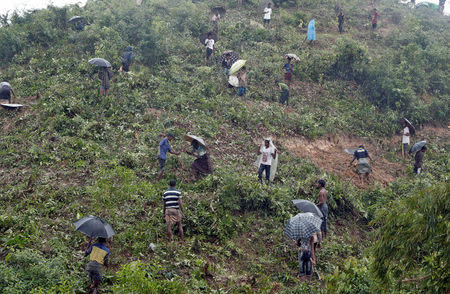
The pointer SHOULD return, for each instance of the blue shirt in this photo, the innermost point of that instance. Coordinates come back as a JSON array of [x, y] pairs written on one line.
[[288, 67], [98, 252], [163, 148], [361, 153]]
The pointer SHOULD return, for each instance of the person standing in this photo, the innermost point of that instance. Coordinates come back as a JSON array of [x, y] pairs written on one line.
[[284, 92], [215, 22], [418, 158], [405, 140], [105, 75], [267, 15], [375, 19], [289, 70], [209, 43], [341, 22], [267, 153], [322, 204], [6, 91], [363, 167], [127, 59], [242, 78], [173, 204], [163, 148], [98, 257], [306, 257], [311, 33]]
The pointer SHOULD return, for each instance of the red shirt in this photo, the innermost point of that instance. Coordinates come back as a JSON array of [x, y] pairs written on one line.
[[375, 18]]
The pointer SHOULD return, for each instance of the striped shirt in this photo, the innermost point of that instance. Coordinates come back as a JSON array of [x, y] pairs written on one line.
[[171, 197]]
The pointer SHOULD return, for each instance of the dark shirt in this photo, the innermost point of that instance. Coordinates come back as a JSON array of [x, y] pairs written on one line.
[[361, 153], [419, 157], [341, 18], [288, 67], [171, 197]]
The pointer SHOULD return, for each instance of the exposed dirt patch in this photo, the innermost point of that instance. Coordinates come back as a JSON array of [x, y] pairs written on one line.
[[328, 153]]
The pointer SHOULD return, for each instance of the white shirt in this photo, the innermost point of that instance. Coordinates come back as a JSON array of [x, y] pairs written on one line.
[[268, 12], [405, 139], [209, 43], [266, 153]]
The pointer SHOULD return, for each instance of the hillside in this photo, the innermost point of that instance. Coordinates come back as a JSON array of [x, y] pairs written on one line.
[[71, 153]]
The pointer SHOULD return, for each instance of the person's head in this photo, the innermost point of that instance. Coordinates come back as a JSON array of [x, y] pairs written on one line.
[[269, 5], [374, 10], [289, 59], [277, 82], [424, 148], [321, 183], [244, 68], [194, 144], [404, 124], [170, 136], [361, 146], [101, 240], [210, 35], [172, 183], [267, 143]]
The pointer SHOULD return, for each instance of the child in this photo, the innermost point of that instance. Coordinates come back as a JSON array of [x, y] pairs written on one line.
[[98, 256], [289, 70], [209, 43], [242, 77], [306, 257]]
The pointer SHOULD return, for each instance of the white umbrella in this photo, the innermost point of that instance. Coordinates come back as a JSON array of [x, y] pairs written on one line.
[[292, 55], [191, 138], [237, 66]]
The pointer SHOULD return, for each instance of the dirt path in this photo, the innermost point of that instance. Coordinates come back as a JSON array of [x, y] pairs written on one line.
[[328, 153]]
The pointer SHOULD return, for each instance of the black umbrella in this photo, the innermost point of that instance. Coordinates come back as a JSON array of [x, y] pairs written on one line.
[[233, 57], [5, 86], [204, 36], [416, 147], [307, 206], [219, 10], [100, 62], [94, 226], [75, 19]]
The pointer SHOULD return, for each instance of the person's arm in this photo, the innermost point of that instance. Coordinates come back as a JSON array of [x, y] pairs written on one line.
[[274, 155], [164, 209], [354, 157], [89, 248], [313, 255], [368, 155], [159, 151], [259, 151], [106, 260], [180, 203]]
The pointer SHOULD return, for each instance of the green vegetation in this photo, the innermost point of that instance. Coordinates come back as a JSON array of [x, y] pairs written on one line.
[[73, 153]]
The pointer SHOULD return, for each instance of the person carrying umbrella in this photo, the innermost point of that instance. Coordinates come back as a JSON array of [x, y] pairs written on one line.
[[163, 148], [127, 59], [284, 92], [289, 70], [405, 139], [242, 78], [363, 167], [6, 91], [105, 75], [267, 152], [418, 160], [322, 204], [201, 165], [226, 64], [98, 257], [267, 14], [173, 204], [341, 21], [209, 43]]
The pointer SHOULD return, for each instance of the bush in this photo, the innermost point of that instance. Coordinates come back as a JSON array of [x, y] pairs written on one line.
[[137, 277]]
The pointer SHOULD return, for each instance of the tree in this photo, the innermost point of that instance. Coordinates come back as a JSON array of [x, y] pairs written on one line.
[[412, 247]]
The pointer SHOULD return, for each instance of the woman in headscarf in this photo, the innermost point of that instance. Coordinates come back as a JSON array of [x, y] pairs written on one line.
[[311, 34], [202, 165]]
